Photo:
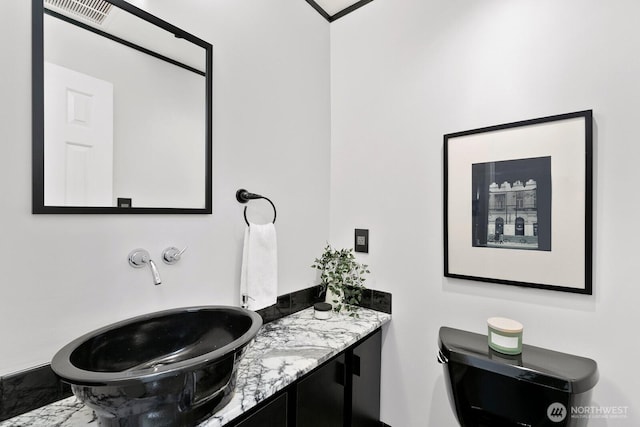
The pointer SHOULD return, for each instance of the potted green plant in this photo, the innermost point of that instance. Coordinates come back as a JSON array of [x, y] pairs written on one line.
[[342, 277]]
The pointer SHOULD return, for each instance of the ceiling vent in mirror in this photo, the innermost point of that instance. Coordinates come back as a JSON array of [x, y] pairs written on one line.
[[95, 11]]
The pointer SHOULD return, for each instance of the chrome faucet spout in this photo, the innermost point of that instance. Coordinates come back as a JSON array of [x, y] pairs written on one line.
[[155, 273], [139, 257]]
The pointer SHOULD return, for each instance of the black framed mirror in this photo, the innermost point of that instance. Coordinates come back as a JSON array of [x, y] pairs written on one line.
[[122, 111]]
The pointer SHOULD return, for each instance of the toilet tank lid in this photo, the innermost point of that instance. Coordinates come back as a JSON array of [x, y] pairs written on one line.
[[562, 371]]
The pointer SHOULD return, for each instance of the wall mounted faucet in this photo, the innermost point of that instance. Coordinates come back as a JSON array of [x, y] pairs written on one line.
[[139, 257]]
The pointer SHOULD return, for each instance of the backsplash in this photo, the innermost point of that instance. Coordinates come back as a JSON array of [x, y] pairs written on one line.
[[299, 300], [23, 391], [30, 389]]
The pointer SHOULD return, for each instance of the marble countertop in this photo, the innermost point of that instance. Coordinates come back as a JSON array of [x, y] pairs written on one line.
[[282, 352]]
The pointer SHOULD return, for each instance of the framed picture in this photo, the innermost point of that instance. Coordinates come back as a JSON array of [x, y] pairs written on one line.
[[518, 203]]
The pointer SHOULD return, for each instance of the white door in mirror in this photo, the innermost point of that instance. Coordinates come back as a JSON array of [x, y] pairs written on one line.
[[78, 138]]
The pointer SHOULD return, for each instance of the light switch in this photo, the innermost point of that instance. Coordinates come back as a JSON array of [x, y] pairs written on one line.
[[361, 240]]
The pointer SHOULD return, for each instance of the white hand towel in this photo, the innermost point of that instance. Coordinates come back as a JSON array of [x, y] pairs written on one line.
[[259, 275]]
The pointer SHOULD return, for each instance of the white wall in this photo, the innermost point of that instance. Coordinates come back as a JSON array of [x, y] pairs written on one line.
[[406, 72], [64, 275]]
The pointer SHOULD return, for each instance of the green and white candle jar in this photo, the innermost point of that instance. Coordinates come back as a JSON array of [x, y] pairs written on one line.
[[505, 335]]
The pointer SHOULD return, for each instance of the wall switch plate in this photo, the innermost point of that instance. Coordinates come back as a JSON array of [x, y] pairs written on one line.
[[361, 240]]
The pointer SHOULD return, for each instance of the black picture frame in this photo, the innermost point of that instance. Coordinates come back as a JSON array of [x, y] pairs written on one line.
[[534, 226]]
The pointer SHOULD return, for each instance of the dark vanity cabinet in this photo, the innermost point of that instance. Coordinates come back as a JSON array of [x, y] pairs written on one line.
[[343, 392], [365, 382], [321, 396], [269, 414]]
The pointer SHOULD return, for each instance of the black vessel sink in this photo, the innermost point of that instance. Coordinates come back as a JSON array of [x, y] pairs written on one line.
[[170, 368]]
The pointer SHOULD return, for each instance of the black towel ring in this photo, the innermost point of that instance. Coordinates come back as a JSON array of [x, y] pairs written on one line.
[[243, 196]]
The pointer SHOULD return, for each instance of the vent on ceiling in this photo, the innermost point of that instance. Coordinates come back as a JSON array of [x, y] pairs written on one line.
[[95, 11]]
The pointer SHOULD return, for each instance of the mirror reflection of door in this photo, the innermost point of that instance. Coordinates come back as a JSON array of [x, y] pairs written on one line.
[[519, 226], [78, 138]]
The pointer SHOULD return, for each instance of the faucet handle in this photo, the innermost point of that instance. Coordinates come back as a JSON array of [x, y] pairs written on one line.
[[171, 255], [138, 258]]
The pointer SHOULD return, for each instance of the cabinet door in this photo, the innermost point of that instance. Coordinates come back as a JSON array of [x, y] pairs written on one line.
[[320, 396], [365, 369], [273, 414]]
